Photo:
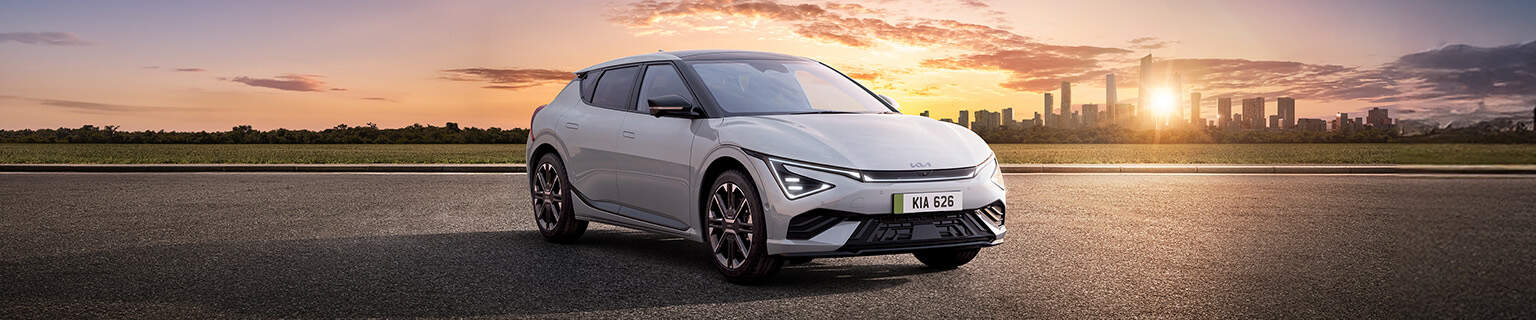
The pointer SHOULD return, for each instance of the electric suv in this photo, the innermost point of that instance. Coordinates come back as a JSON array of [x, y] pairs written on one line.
[[765, 158]]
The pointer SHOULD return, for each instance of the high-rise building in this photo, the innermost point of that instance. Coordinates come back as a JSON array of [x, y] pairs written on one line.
[[1110, 98], [1224, 112], [1194, 110], [985, 121], [1377, 118], [1044, 121], [1008, 118], [947, 120], [1286, 108], [1311, 125], [1274, 121], [1253, 110], [1144, 85], [1090, 115], [965, 119], [1066, 120], [1342, 123], [1066, 102], [1178, 97], [924, 114], [1037, 121]]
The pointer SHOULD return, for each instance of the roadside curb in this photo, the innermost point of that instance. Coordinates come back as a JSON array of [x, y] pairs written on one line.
[[1272, 169], [473, 168], [1007, 168]]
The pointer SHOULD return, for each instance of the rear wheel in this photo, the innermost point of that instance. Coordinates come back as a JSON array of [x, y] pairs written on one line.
[[551, 195], [946, 258], [734, 231]]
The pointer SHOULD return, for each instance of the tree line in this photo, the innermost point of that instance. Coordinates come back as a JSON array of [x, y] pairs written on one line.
[[367, 134], [452, 133], [1472, 134]]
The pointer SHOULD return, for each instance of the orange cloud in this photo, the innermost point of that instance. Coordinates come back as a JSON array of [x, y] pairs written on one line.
[[509, 79], [287, 82]]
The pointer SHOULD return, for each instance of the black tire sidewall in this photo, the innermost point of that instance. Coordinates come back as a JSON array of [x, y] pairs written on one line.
[[567, 228], [758, 264]]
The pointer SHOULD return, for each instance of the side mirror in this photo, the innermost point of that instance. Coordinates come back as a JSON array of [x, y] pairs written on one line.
[[670, 105], [891, 102]]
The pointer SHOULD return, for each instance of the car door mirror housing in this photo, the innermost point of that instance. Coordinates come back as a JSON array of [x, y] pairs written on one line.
[[890, 102], [671, 105]]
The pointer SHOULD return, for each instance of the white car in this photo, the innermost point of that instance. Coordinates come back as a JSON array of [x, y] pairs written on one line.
[[766, 158]]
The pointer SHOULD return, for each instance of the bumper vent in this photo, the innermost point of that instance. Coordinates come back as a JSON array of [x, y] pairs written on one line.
[[810, 224], [994, 212]]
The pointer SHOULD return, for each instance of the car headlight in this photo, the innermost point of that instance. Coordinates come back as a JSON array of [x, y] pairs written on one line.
[[796, 186], [997, 174]]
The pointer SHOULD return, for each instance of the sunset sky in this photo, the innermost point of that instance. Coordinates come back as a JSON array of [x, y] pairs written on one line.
[[211, 65]]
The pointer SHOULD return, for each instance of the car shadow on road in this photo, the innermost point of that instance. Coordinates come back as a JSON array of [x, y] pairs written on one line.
[[461, 274]]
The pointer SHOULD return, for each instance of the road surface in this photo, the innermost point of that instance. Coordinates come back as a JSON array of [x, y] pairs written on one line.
[[462, 245]]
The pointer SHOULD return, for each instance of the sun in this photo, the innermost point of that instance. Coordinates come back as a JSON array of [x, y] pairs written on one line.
[[1163, 101]]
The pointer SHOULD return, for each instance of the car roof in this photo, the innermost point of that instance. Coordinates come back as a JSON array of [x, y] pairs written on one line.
[[694, 55]]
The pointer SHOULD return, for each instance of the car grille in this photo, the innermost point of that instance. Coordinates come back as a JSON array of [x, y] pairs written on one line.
[[920, 175], [921, 229]]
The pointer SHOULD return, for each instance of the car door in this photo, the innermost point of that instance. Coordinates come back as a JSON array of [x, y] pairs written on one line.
[[655, 151], [590, 133]]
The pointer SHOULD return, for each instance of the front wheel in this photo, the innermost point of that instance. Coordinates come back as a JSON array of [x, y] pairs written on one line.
[[946, 258], [551, 193], [734, 230]]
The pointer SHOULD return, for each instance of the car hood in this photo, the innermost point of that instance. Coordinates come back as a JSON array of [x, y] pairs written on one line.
[[859, 141]]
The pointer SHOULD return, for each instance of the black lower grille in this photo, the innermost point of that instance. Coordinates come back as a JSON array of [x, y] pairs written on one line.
[[918, 229]]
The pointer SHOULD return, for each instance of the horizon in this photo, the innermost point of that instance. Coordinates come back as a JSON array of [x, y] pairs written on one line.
[[312, 65]]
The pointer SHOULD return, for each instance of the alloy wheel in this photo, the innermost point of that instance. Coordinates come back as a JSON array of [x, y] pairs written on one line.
[[548, 196], [730, 226]]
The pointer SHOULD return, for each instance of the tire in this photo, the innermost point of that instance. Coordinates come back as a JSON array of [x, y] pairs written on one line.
[[733, 223], [551, 193], [946, 258]]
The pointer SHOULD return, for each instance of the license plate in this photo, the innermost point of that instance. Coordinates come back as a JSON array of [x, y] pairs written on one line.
[[925, 202]]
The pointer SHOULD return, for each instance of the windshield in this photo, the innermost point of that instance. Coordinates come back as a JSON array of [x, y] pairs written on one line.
[[767, 86]]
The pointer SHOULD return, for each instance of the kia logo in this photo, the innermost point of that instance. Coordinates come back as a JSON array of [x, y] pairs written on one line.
[[921, 165]]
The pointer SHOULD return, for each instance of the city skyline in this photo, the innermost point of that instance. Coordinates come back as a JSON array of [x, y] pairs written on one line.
[[213, 65]]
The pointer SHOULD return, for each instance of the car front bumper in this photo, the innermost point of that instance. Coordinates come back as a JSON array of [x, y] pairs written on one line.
[[855, 217]]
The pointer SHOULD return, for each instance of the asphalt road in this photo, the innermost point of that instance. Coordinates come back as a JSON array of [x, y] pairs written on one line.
[[462, 245]]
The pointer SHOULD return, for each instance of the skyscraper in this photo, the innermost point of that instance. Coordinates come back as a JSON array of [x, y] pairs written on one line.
[[1377, 118], [1253, 110], [1090, 115], [1044, 122], [1143, 87], [1109, 98], [1194, 110], [1223, 112], [1178, 97], [1007, 117], [1286, 108], [1066, 102], [965, 119]]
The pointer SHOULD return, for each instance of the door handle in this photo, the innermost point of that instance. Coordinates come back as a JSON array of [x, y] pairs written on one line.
[[572, 125], [628, 134]]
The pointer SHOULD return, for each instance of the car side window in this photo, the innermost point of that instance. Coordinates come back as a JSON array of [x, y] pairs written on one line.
[[614, 88], [588, 84], [661, 80]]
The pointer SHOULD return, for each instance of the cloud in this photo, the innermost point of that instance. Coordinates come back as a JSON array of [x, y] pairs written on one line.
[[43, 38], [987, 47], [287, 82], [93, 107], [1150, 43], [508, 79], [190, 70], [974, 3], [379, 99]]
